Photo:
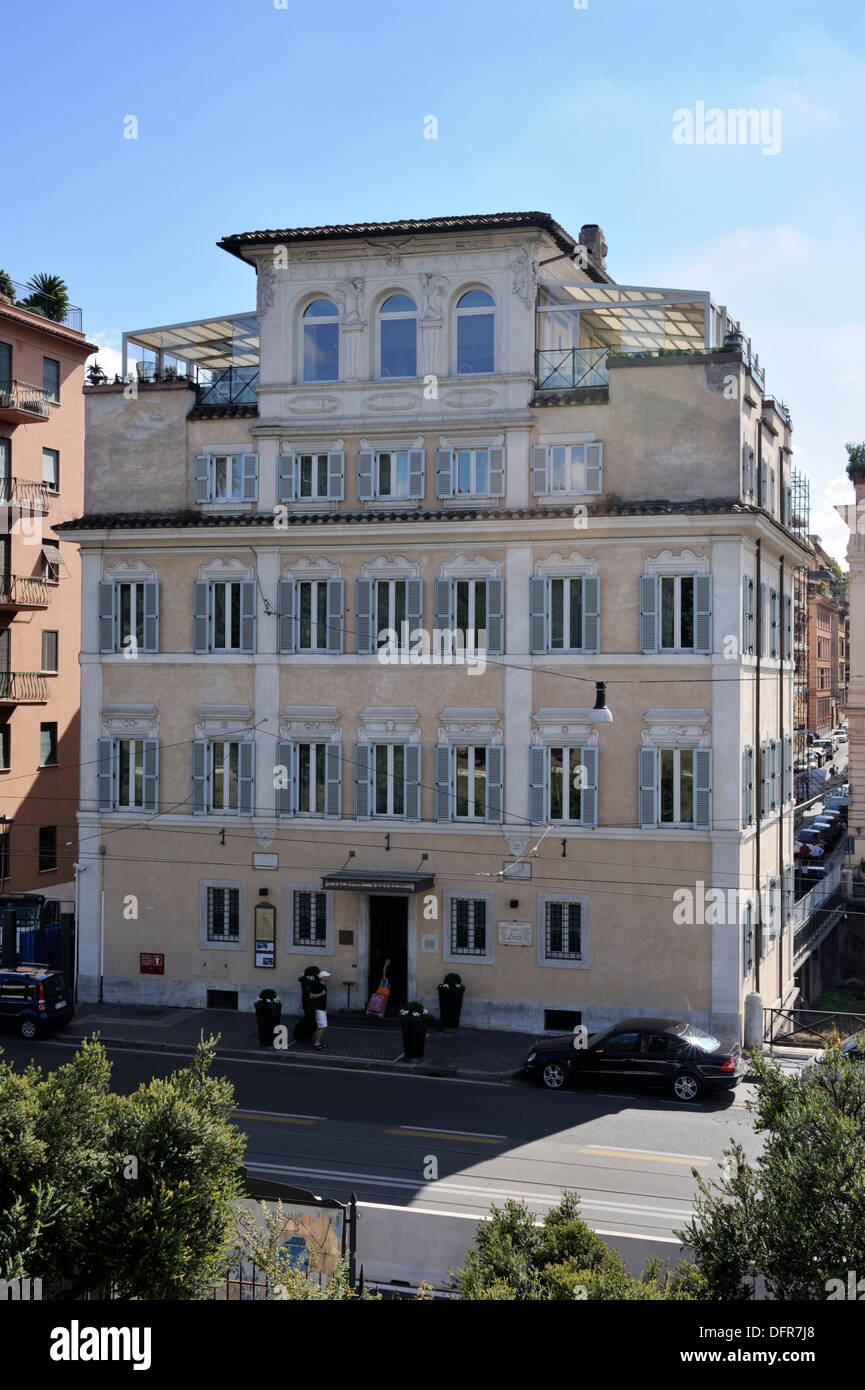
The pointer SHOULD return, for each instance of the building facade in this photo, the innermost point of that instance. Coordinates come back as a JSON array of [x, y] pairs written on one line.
[[827, 624], [353, 567], [42, 356]]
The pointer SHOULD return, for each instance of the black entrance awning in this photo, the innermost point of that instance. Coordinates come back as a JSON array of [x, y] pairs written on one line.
[[377, 881]]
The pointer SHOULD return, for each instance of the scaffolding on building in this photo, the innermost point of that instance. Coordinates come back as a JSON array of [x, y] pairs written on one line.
[[800, 522]]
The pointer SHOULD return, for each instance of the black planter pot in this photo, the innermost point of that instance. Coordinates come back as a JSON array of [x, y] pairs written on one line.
[[267, 1016], [450, 1008], [413, 1036]]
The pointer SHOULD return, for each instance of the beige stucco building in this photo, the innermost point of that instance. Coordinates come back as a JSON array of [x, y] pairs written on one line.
[[449, 426]]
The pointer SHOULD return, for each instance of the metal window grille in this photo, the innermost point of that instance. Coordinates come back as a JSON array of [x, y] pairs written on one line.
[[223, 914], [310, 919], [468, 927], [562, 931]]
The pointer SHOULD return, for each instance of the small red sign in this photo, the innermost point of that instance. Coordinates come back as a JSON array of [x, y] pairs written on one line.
[[151, 963]]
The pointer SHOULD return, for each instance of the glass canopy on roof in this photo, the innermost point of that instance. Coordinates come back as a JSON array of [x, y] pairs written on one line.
[[209, 344], [626, 318]]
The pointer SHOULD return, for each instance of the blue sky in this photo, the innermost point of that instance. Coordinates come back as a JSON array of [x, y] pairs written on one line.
[[255, 116]]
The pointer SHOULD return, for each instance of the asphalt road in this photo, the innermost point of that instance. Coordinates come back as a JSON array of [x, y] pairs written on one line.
[[436, 1153]]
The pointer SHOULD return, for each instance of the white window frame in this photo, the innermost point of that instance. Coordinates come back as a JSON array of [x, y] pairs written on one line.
[[676, 822], [317, 783], [577, 899], [136, 760], [473, 458], [233, 594], [324, 948], [317, 630], [448, 954], [393, 623], [567, 644], [230, 459], [392, 454], [228, 883], [676, 645], [471, 748], [577, 466], [572, 759], [394, 782], [227, 745], [318, 458]]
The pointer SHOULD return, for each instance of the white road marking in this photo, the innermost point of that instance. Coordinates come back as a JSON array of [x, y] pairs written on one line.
[[474, 1133], [657, 1153], [626, 1208]]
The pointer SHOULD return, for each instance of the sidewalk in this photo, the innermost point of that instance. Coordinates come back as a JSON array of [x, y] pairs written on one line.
[[351, 1041]]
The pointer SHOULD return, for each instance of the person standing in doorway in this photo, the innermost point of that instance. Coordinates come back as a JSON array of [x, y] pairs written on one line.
[[318, 999]]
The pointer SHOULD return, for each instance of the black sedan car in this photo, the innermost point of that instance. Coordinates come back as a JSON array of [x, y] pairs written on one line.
[[640, 1051]]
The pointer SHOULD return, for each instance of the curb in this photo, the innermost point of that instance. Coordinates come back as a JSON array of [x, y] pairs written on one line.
[[446, 1073]]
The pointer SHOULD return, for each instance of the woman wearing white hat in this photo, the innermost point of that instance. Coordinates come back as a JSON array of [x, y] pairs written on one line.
[[318, 998]]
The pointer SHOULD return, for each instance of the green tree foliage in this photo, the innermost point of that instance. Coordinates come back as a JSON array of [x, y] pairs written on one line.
[[101, 1189], [514, 1258], [6, 286], [49, 296], [797, 1217], [855, 460]]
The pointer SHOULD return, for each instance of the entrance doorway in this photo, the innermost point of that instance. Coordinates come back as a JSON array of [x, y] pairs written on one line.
[[388, 938]]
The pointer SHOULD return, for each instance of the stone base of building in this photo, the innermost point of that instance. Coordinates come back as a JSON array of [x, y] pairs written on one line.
[[514, 1016]]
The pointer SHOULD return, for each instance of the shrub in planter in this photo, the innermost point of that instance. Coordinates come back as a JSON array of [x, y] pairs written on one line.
[[451, 991], [413, 1021], [268, 1012]]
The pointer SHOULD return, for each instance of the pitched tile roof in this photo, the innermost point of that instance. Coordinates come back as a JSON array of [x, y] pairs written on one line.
[[136, 521], [409, 227]]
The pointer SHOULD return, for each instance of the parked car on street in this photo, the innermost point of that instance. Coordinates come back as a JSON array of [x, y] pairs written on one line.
[[640, 1051], [34, 999], [852, 1049]]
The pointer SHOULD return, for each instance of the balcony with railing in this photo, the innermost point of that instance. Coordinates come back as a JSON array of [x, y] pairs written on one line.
[[24, 492], [583, 328], [24, 591], [23, 688], [22, 402]]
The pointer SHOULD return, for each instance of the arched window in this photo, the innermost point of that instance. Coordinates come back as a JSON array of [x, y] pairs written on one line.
[[398, 336], [321, 341], [475, 325]]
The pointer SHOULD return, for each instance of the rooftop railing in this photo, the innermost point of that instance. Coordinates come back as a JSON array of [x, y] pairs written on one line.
[[46, 306]]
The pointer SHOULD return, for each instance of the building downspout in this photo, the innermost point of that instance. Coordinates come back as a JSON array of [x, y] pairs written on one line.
[[758, 757]]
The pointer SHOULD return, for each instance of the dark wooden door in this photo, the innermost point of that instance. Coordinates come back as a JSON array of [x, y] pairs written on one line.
[[388, 939]]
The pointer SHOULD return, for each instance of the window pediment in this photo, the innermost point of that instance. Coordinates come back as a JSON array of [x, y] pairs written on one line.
[[397, 724], [225, 570], [563, 566], [130, 571], [685, 562], [676, 728], [475, 724], [397, 568]]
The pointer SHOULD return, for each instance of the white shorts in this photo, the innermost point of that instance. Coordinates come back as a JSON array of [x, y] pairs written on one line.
[[320, 1018]]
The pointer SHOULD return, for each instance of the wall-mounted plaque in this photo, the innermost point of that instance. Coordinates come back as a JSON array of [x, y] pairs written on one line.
[[515, 933]]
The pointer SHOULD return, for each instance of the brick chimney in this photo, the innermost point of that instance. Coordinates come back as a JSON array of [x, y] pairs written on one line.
[[592, 237]]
